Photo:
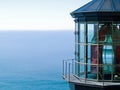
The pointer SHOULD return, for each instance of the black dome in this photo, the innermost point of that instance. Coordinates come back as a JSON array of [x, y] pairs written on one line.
[[106, 10]]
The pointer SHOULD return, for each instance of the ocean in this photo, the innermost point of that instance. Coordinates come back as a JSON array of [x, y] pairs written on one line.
[[32, 60]]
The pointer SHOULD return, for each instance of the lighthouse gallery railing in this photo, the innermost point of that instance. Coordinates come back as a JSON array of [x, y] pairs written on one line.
[[69, 71]]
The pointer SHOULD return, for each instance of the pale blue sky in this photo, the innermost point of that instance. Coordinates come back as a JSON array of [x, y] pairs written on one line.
[[38, 14]]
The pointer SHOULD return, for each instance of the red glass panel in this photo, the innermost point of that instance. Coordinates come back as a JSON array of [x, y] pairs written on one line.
[[102, 33], [94, 58], [118, 60], [95, 52]]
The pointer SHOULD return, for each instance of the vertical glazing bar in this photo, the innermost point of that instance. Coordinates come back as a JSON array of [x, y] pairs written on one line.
[[98, 66], [103, 74], [75, 48], [79, 43], [112, 73], [86, 51]]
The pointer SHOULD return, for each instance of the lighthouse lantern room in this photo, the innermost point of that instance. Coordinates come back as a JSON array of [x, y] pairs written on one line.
[[97, 47]]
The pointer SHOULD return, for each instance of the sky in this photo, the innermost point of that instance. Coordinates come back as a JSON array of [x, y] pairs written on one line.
[[38, 14]]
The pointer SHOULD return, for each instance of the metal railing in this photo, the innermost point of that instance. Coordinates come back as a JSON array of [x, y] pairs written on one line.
[[68, 68]]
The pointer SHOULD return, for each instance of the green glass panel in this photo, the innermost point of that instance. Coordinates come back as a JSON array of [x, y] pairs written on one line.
[[107, 55]]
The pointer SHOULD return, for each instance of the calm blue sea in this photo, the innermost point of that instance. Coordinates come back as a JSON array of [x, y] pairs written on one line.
[[32, 60]]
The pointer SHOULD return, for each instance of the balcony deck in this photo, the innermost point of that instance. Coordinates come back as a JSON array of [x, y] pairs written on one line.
[[74, 79]]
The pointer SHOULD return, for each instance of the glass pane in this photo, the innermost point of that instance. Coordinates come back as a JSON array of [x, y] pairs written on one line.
[[102, 32], [94, 57], [91, 69], [92, 33], [107, 57], [118, 61], [76, 59], [82, 33], [77, 68], [88, 58], [82, 60], [82, 54], [89, 53], [76, 33], [82, 70]]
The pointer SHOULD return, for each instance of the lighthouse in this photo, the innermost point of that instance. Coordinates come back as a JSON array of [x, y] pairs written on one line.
[[97, 47]]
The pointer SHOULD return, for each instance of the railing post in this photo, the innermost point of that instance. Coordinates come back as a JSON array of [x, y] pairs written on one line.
[[63, 68], [66, 69], [72, 66], [69, 71]]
